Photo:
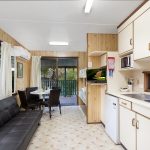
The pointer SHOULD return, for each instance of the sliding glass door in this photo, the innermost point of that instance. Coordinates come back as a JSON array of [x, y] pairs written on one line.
[[60, 72]]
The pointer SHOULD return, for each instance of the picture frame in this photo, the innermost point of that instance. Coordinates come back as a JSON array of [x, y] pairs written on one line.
[[19, 70]]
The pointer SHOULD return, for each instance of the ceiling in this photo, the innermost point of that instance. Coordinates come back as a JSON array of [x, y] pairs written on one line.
[[35, 23]]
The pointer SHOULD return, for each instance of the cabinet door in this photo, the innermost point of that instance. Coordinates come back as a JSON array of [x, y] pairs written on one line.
[[92, 40], [142, 36], [125, 39], [102, 42], [94, 103], [127, 130], [143, 133]]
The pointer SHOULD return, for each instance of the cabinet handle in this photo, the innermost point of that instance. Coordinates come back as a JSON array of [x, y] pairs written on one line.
[[149, 46], [131, 42], [123, 103], [133, 122], [137, 124]]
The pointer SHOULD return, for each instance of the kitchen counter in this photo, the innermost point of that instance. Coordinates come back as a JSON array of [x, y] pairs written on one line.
[[133, 100]]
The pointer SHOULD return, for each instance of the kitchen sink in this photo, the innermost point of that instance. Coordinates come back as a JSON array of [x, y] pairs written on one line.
[[144, 97]]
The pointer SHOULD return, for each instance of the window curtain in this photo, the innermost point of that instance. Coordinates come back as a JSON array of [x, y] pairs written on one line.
[[6, 76], [36, 72]]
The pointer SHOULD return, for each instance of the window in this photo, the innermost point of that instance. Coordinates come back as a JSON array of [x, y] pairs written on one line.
[[0, 71], [13, 70], [13, 64], [146, 81], [0, 55]]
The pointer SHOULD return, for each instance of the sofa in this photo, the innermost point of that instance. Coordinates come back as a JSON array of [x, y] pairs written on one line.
[[16, 127]]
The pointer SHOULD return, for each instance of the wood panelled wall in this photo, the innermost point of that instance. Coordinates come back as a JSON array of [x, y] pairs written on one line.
[[82, 57], [22, 83]]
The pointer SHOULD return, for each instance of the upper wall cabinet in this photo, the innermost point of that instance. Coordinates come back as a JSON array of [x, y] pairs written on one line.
[[125, 39], [102, 42], [142, 36]]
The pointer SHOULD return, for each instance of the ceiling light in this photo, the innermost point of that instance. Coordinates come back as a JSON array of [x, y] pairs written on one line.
[[88, 6], [58, 43]]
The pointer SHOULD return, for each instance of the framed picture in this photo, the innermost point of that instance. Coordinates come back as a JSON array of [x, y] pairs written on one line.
[[19, 70]]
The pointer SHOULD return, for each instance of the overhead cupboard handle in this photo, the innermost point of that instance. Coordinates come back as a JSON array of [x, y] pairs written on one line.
[[149, 46], [131, 41], [137, 124], [133, 122]]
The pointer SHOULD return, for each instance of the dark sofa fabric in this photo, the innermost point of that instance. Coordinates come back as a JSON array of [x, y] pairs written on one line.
[[18, 127]]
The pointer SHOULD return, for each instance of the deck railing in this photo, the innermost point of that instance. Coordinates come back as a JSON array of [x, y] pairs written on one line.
[[68, 87]]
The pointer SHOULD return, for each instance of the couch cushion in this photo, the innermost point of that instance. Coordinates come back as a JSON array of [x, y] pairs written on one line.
[[25, 117], [12, 140], [16, 134], [8, 109]]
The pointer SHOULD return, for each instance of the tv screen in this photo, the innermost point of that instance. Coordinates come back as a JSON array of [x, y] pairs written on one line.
[[97, 75]]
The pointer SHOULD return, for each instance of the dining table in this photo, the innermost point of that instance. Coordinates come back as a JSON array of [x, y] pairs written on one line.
[[42, 93]]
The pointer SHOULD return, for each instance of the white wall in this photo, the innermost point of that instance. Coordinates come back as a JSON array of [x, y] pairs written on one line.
[[118, 80], [138, 76]]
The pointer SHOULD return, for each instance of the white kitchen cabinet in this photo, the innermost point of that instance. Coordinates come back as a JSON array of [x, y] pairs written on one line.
[[143, 133], [134, 128], [142, 36], [127, 129], [125, 39]]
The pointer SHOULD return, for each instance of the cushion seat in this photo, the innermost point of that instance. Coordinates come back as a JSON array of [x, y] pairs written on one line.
[[15, 139], [16, 133]]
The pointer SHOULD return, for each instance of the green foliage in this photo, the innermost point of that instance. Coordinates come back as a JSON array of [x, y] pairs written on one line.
[[71, 74], [44, 72]]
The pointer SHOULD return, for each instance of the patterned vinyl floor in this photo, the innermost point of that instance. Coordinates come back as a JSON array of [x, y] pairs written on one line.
[[69, 131]]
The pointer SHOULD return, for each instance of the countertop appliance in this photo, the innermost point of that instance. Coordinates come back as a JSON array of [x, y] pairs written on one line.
[[112, 117], [127, 61]]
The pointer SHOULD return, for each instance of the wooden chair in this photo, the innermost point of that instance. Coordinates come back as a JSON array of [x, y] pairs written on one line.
[[53, 100], [30, 97], [23, 99], [24, 103]]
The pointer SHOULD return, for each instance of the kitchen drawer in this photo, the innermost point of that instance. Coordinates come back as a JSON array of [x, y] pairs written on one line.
[[141, 110], [125, 103]]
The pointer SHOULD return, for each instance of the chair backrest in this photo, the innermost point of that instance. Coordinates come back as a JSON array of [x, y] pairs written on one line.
[[23, 99], [31, 97], [55, 87], [54, 97]]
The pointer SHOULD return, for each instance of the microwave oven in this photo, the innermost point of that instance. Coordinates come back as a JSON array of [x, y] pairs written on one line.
[[127, 61]]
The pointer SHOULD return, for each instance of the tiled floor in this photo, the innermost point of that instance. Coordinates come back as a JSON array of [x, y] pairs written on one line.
[[69, 131]]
